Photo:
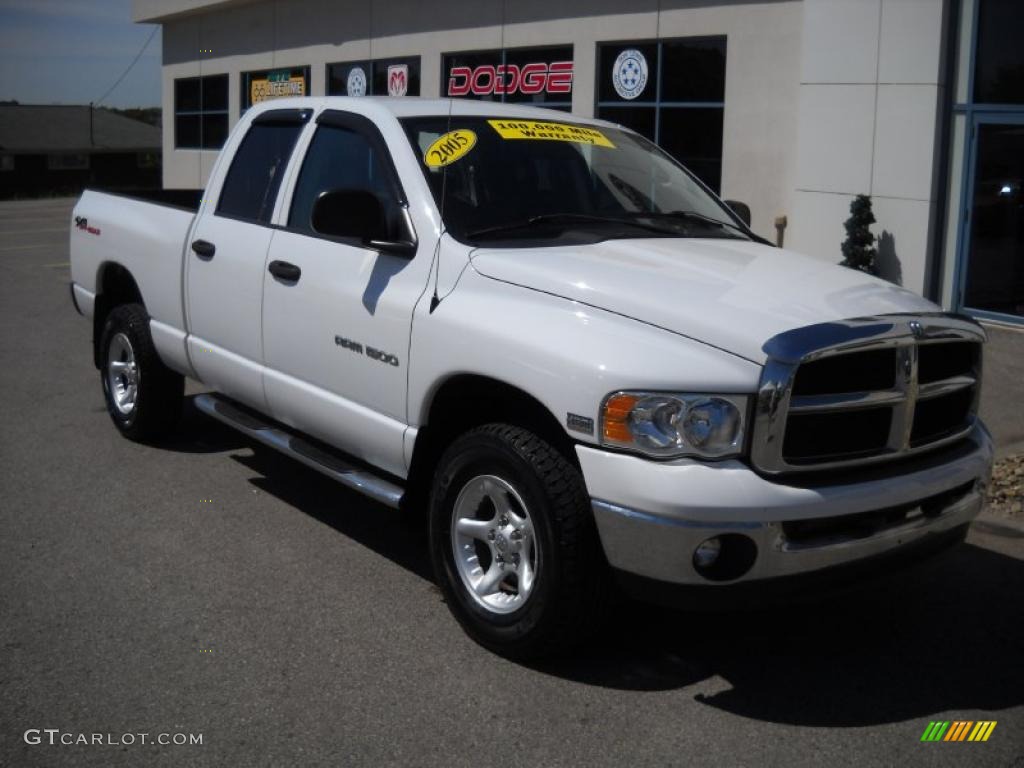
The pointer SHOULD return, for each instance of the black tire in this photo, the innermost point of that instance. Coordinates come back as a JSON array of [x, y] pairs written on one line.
[[571, 591], [158, 390]]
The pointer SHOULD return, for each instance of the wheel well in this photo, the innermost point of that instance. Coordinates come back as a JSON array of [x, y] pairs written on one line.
[[467, 401], [114, 286]]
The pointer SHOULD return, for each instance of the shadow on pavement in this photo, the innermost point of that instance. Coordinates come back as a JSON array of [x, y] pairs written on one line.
[[197, 433], [397, 535], [942, 635]]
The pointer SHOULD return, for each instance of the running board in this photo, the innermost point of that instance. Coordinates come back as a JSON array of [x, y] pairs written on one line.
[[276, 437]]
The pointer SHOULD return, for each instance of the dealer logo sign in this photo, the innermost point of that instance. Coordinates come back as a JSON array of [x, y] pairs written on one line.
[[398, 79], [629, 74], [510, 79]]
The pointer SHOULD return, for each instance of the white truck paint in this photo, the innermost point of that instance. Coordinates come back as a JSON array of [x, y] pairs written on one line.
[[566, 325]]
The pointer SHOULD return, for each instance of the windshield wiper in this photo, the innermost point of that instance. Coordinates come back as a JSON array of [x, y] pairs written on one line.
[[565, 218], [687, 215]]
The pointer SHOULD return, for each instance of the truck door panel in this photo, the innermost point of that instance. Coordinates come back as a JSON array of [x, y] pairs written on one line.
[[336, 338], [225, 260]]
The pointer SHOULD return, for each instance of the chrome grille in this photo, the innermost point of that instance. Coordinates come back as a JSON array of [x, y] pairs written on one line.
[[862, 391]]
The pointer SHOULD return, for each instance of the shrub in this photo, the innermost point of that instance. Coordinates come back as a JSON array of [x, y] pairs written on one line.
[[858, 248]]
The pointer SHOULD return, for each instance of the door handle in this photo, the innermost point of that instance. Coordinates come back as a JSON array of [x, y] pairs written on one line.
[[203, 249], [284, 270]]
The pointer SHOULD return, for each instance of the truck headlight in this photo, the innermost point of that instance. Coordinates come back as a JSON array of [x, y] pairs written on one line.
[[669, 425]]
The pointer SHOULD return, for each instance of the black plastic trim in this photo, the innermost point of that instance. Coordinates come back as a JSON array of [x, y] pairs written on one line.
[[294, 116], [74, 299], [814, 585], [360, 124]]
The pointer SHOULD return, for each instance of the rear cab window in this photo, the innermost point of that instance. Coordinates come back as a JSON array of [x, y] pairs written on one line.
[[254, 178]]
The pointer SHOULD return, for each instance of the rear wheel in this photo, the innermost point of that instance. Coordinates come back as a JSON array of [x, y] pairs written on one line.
[[143, 396], [513, 543]]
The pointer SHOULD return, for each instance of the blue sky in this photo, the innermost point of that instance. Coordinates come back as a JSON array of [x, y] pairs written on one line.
[[72, 51]]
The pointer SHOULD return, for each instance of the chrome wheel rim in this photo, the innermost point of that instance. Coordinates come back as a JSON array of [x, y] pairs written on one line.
[[122, 374], [494, 544]]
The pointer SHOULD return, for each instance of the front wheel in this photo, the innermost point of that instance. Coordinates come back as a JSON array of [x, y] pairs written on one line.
[[143, 396], [513, 543]]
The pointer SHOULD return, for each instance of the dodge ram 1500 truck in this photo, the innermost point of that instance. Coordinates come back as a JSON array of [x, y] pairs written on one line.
[[552, 337]]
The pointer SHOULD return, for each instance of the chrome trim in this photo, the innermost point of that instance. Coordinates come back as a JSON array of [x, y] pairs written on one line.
[[844, 400], [787, 351], [776, 555], [677, 522], [945, 387], [336, 468]]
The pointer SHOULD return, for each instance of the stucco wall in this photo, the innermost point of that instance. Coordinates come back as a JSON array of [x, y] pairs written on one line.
[[871, 94]]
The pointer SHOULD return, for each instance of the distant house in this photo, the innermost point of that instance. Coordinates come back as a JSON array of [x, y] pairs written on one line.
[[48, 150]]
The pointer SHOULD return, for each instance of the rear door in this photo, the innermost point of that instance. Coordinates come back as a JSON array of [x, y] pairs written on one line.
[[227, 254], [336, 332]]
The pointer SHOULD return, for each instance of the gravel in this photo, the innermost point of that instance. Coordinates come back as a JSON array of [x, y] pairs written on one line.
[[1006, 493]]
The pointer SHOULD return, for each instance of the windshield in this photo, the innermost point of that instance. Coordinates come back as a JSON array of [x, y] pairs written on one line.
[[529, 182]]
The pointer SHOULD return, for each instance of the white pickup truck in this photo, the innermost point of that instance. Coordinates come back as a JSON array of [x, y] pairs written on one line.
[[553, 337]]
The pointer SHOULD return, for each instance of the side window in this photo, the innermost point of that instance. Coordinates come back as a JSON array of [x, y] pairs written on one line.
[[340, 159], [250, 188]]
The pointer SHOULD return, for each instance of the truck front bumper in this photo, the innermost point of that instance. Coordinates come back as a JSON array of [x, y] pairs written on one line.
[[652, 516]]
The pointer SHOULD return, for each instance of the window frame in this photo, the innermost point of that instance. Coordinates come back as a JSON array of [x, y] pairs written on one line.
[[371, 65], [657, 104], [977, 48], [357, 123], [283, 116], [201, 112], [245, 83], [965, 31], [564, 105]]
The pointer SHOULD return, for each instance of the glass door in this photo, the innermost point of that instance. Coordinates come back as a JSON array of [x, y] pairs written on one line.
[[993, 274]]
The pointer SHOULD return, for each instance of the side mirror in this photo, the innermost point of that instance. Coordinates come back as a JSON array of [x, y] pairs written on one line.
[[360, 215], [742, 210]]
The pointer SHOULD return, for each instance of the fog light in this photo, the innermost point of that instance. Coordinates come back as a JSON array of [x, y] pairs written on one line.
[[707, 553]]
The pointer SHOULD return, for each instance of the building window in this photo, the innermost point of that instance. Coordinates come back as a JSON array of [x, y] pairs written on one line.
[[541, 76], [6, 162], [273, 84], [999, 62], [201, 112], [672, 92], [380, 77], [68, 162]]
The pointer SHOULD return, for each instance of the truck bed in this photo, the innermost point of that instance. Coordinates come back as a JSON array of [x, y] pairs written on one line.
[[187, 199], [145, 232]]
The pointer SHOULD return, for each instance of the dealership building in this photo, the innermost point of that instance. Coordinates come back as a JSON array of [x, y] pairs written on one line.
[[792, 106]]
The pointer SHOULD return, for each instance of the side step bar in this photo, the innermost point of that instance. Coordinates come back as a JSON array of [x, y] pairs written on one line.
[[276, 437]]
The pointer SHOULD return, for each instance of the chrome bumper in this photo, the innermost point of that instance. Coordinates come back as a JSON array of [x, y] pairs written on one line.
[[656, 539]]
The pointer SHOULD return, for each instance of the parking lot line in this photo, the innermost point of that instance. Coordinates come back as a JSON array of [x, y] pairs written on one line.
[[26, 247], [31, 231]]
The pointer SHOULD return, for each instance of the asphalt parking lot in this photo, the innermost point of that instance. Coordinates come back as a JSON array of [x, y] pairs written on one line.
[[209, 586]]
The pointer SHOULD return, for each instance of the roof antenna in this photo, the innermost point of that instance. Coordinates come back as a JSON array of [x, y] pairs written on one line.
[[435, 299]]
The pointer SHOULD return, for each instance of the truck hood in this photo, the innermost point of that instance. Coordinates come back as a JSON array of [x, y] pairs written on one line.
[[732, 294]]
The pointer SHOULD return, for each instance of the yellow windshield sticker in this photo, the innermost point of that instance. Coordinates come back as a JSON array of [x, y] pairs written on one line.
[[448, 148], [536, 129]]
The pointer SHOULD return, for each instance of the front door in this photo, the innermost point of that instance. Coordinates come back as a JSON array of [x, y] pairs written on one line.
[[337, 317], [993, 274]]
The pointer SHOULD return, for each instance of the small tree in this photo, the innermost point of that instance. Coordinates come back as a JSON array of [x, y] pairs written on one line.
[[858, 248]]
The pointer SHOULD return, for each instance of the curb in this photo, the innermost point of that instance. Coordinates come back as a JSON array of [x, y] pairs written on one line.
[[986, 522]]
